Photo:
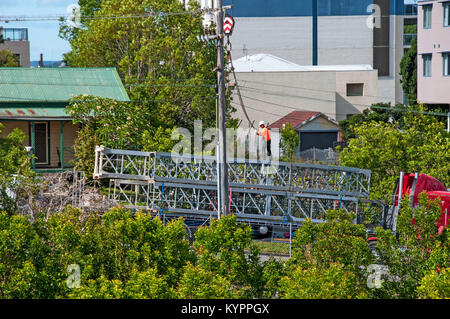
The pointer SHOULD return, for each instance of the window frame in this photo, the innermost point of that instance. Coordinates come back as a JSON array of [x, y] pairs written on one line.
[[355, 87], [446, 8], [446, 58], [424, 10], [425, 60]]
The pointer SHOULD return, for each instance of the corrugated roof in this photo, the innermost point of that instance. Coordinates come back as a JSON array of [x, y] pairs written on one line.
[[295, 118], [59, 84], [31, 112]]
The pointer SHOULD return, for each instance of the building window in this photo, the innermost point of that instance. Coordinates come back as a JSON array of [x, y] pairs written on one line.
[[447, 14], [426, 65], [446, 60], [427, 14], [17, 57], [355, 89]]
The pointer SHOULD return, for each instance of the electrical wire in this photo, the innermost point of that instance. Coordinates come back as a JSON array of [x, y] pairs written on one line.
[[171, 85], [304, 88], [332, 114], [393, 109], [8, 19], [21, 100], [241, 102]]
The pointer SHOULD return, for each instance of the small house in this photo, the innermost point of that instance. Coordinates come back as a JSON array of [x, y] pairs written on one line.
[[315, 129], [35, 100]]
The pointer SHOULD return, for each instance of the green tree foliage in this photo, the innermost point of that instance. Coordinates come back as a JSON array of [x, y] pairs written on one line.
[[159, 141], [408, 71], [116, 124], [227, 249], [380, 112], [314, 282], [417, 257], [87, 10], [289, 142], [435, 285], [16, 176], [334, 255], [84, 149], [198, 283], [104, 122], [166, 70], [7, 59], [124, 255], [421, 146], [113, 124], [119, 255]]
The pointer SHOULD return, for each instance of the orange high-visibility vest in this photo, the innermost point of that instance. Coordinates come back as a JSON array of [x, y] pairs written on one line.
[[265, 133]]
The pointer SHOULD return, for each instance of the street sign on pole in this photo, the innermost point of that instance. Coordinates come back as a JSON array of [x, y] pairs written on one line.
[[221, 91], [228, 25]]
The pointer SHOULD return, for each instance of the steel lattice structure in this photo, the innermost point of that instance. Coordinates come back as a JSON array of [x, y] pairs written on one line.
[[260, 193], [290, 177]]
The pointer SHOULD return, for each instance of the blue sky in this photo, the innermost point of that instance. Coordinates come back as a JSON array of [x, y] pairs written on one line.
[[43, 35]]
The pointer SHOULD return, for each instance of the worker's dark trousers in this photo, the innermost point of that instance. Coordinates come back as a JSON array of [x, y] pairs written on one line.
[[268, 148]]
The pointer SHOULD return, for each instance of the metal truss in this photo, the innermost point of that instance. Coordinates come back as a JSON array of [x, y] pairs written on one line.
[[260, 193], [246, 204], [198, 170]]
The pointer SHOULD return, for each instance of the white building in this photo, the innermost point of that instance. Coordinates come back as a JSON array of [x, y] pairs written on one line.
[[272, 87]]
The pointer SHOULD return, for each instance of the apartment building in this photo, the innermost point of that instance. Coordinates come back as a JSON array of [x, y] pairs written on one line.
[[16, 41], [433, 52], [325, 32]]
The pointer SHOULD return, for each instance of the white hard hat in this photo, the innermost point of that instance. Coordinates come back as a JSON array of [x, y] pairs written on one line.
[[262, 123]]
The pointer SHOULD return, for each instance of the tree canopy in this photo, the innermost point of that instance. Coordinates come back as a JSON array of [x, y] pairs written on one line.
[[408, 71], [7, 59], [155, 50], [421, 144]]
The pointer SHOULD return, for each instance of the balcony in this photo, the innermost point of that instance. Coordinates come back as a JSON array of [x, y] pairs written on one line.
[[15, 34]]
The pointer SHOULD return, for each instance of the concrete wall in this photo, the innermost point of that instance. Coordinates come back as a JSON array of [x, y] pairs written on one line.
[[396, 49], [344, 40], [268, 96], [341, 40], [286, 37], [346, 105], [18, 47], [434, 89]]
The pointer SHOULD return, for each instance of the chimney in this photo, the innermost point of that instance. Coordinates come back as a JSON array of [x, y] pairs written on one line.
[[41, 61]]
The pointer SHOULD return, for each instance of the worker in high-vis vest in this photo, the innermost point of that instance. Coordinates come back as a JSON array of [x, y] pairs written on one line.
[[264, 132]]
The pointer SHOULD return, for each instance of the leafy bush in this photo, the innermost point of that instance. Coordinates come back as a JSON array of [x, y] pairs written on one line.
[[416, 252], [422, 146], [289, 142]]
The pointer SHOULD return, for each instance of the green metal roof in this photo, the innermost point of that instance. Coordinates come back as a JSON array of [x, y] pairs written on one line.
[[59, 84], [33, 111]]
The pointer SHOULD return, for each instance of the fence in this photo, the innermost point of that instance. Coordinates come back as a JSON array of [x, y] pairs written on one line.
[[315, 155], [277, 242]]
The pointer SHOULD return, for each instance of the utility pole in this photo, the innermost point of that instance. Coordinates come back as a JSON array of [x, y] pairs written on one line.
[[315, 32], [448, 122], [223, 166]]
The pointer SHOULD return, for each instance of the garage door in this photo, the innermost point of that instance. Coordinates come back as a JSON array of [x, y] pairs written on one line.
[[320, 140]]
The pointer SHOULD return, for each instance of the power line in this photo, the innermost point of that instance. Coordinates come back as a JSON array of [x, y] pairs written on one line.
[[304, 88], [98, 17], [172, 85], [19, 99], [297, 109], [282, 115], [393, 109]]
